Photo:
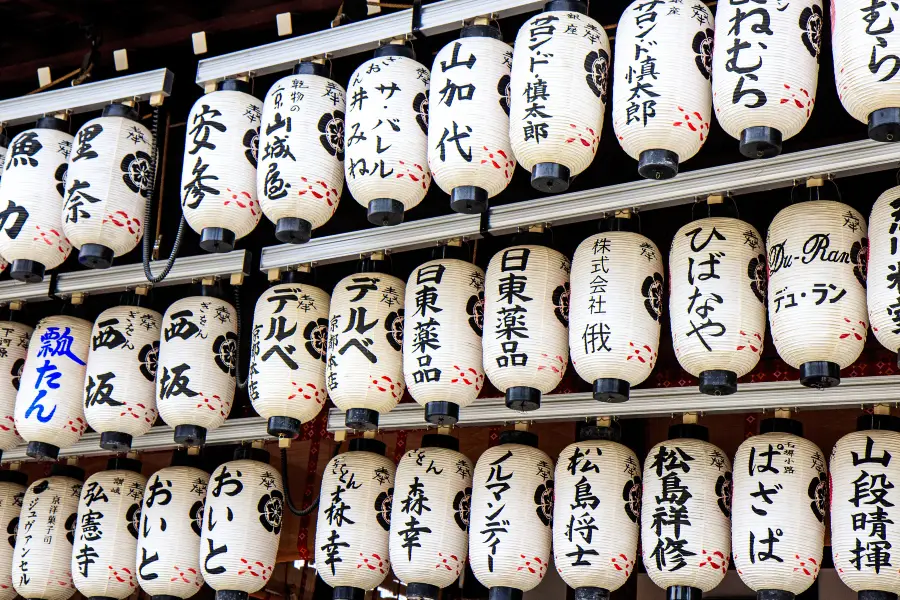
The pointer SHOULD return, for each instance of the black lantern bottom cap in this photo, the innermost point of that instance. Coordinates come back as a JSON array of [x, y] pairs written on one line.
[[884, 125], [165, 596], [579, 6], [115, 441], [217, 239], [611, 390], [523, 398], [658, 164], [42, 451], [100, 598], [288, 427], [422, 591], [469, 199], [718, 382], [346, 592], [504, 593], [820, 374], [385, 211], [293, 230], [552, 178], [442, 413], [591, 593], [231, 595], [96, 256], [190, 435], [875, 595], [774, 595], [683, 592], [362, 419], [760, 142], [29, 271]]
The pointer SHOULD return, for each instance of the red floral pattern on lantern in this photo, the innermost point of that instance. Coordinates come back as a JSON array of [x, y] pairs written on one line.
[[416, 173], [449, 562], [78, 425], [468, 376], [255, 568], [12, 424], [373, 562], [309, 391], [750, 341], [715, 559], [321, 191], [214, 403], [52, 237], [243, 200], [620, 562], [642, 353], [182, 575], [386, 384], [587, 138], [799, 98], [853, 332], [533, 565], [557, 363], [499, 159], [139, 410], [65, 581], [120, 218], [808, 567], [121, 575], [693, 121]]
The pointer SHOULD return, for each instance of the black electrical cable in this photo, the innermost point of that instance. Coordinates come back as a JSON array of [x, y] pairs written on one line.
[[300, 512], [237, 367]]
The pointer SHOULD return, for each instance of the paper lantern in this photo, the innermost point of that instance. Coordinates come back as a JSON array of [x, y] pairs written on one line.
[[12, 490], [301, 169], [106, 531], [386, 162], [430, 516], [218, 178], [558, 93], [287, 354], [42, 558], [364, 370], [468, 142], [119, 392], [662, 97], [354, 519], [780, 494], [14, 339], [765, 71], [526, 314], [110, 176], [31, 196], [442, 351], [4, 146], [241, 525], [596, 513], [49, 413], [616, 308], [197, 363], [512, 506], [168, 550], [882, 294], [817, 259], [686, 513]]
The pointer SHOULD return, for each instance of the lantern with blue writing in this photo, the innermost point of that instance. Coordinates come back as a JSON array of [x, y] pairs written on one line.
[[354, 519], [31, 198], [882, 295], [558, 93], [780, 500], [14, 339], [106, 531], [241, 525], [765, 72], [386, 164], [49, 411], [42, 560], [12, 491], [218, 178]]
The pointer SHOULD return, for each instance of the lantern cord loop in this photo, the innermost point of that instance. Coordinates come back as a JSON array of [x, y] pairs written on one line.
[[237, 366], [300, 512]]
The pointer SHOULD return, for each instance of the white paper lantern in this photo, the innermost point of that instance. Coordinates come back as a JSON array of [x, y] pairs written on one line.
[[596, 512], [354, 519], [512, 507], [558, 93], [197, 363], [4, 146], [301, 163], [14, 339], [780, 495], [882, 293], [616, 308], [119, 392], [287, 355], [662, 97], [442, 351], [765, 71], [109, 178], [106, 531], [168, 550], [817, 261], [686, 513], [468, 141], [526, 314], [49, 412], [364, 371], [430, 516], [12, 491], [241, 525], [31, 196], [386, 162], [42, 558], [218, 177]]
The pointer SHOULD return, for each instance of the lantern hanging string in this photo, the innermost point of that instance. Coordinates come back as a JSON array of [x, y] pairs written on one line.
[[300, 512]]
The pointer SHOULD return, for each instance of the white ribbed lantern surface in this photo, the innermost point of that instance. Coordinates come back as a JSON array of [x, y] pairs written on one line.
[[301, 142], [817, 260], [218, 177], [386, 135], [197, 362], [883, 276], [662, 97], [14, 339], [12, 491], [168, 550], [355, 517], [442, 349], [108, 180], [31, 198], [512, 506], [4, 147], [49, 403], [468, 140], [558, 93], [616, 307], [242, 524], [287, 354], [596, 514], [109, 515], [778, 529], [765, 70], [119, 392], [42, 559]]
